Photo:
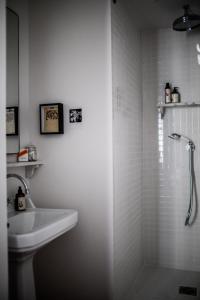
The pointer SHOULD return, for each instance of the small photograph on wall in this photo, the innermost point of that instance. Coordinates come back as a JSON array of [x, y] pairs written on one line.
[[51, 118], [75, 115], [12, 120]]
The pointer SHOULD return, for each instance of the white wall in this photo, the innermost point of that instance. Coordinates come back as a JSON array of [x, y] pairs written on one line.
[[3, 202], [127, 144], [169, 57], [69, 63]]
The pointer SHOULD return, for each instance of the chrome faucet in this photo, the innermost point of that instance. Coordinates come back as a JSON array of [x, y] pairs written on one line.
[[26, 188]]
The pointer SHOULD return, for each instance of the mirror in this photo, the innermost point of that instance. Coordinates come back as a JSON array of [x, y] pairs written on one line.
[[12, 85]]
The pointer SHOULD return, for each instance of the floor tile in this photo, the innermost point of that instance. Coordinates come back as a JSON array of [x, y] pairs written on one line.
[[163, 284]]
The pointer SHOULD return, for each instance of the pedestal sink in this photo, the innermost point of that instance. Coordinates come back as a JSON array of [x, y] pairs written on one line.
[[27, 232]]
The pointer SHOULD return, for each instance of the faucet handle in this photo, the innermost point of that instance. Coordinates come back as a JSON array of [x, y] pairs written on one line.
[[9, 201], [10, 204]]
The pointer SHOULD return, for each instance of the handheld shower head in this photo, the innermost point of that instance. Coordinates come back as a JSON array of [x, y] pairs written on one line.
[[193, 205], [174, 136]]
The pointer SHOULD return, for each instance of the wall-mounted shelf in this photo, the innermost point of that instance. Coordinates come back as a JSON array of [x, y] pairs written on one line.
[[162, 107], [30, 166]]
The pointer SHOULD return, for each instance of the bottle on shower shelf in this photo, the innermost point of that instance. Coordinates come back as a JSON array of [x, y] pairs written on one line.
[[167, 93], [176, 95]]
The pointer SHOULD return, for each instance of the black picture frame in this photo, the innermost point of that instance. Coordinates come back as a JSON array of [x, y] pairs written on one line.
[[51, 118], [75, 115], [12, 117]]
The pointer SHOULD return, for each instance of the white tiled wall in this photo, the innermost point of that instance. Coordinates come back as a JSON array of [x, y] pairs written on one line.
[[169, 56], [127, 134]]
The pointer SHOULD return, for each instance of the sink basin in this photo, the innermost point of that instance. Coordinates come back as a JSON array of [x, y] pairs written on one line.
[[28, 231], [33, 228]]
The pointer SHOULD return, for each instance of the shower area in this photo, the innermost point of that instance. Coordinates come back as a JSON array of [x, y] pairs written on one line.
[[156, 150]]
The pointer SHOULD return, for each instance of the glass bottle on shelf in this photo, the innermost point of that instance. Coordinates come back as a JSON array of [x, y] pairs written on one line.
[[167, 93]]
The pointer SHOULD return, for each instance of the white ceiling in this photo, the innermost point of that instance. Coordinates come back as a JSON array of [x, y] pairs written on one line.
[[159, 13]]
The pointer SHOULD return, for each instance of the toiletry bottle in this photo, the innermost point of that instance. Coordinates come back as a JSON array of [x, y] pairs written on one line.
[[167, 93], [32, 152], [20, 201], [175, 95], [22, 155]]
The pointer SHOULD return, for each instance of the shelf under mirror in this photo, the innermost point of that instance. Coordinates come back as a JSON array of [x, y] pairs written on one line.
[[30, 166]]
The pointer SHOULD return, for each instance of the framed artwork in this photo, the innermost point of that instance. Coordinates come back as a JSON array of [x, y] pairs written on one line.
[[51, 118], [75, 115], [12, 120]]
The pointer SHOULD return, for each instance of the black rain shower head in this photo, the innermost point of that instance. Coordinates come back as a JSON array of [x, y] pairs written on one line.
[[187, 22]]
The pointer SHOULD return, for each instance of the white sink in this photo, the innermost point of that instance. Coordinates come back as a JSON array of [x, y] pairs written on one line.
[[27, 232], [36, 227]]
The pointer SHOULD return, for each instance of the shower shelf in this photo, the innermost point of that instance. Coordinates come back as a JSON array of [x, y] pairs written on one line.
[[162, 107], [30, 167]]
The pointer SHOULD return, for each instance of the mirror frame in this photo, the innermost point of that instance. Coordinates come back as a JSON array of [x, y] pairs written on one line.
[[18, 46]]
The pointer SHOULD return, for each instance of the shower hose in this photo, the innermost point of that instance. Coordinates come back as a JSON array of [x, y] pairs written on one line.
[[192, 209]]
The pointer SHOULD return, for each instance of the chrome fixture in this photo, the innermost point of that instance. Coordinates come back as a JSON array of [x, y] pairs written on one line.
[[176, 136], [193, 202], [26, 188], [188, 21]]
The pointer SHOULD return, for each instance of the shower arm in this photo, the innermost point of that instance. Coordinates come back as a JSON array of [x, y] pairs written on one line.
[[190, 144], [186, 139]]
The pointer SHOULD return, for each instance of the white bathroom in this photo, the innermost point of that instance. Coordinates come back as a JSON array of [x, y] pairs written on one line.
[[101, 201]]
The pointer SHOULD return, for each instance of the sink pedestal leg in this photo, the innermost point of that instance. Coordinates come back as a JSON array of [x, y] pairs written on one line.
[[21, 277]]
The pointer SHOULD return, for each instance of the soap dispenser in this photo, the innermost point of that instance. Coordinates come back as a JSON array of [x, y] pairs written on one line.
[[175, 95], [20, 201]]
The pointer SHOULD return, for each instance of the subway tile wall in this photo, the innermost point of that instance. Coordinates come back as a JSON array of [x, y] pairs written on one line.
[[127, 142], [169, 57]]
